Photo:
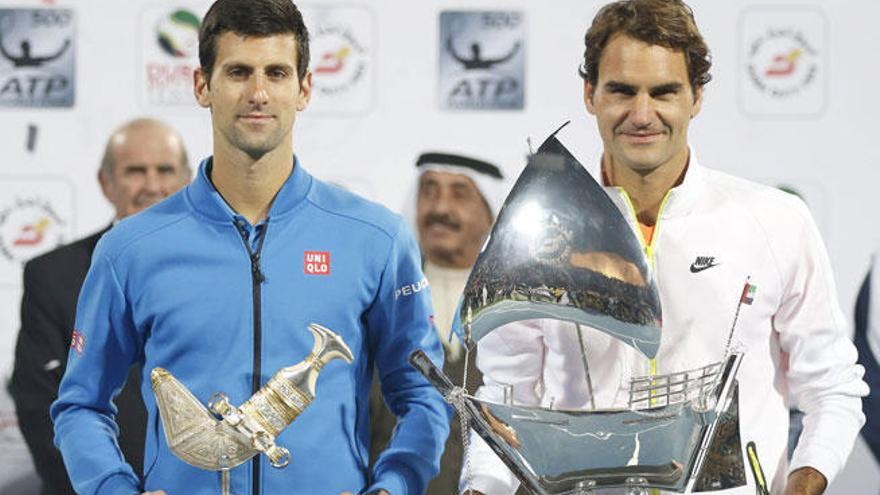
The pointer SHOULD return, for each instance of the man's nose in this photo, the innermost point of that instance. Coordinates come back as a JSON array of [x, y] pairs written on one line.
[[153, 182], [642, 110], [443, 203], [258, 93]]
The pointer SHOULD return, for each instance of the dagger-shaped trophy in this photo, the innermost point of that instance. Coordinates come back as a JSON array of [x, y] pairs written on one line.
[[222, 436]]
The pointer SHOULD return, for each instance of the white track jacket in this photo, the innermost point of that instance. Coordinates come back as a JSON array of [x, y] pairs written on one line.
[[797, 351]]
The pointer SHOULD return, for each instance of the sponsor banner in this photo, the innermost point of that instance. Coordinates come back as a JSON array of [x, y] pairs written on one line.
[[342, 40], [169, 45], [37, 57], [783, 61], [35, 217], [482, 60]]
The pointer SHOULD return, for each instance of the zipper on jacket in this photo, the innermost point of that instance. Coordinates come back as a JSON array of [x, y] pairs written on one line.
[[649, 253], [257, 278], [648, 247]]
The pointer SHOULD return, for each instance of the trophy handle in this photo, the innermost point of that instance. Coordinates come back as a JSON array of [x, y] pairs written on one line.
[[457, 396]]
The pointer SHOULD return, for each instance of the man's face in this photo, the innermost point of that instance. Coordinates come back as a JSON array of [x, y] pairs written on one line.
[[643, 103], [453, 219], [147, 168], [254, 92]]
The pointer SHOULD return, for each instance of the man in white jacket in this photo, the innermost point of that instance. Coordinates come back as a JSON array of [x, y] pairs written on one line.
[[705, 233]]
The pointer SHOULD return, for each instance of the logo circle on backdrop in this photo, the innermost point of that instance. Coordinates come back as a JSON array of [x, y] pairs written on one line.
[[341, 59], [782, 62], [27, 228], [178, 33]]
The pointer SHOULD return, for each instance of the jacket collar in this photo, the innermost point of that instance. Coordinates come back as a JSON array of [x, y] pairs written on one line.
[[205, 198], [681, 198], [684, 196]]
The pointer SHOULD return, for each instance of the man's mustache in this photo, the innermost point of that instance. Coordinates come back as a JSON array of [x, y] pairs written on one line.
[[442, 219]]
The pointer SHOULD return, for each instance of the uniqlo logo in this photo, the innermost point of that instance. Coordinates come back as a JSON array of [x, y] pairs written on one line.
[[316, 263], [78, 342]]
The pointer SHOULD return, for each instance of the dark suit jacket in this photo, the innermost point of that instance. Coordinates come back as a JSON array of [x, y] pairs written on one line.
[[871, 403], [51, 287]]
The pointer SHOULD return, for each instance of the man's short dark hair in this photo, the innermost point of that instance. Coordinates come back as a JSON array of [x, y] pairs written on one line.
[[252, 18], [667, 23]]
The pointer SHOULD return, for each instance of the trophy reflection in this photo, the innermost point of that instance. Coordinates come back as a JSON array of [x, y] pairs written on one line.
[[561, 249], [222, 436]]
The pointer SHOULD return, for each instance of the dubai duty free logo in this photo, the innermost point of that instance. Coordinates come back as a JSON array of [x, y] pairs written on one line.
[[169, 55]]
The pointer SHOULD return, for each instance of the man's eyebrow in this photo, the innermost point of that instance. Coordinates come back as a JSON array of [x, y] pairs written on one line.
[[672, 87], [619, 86], [285, 67]]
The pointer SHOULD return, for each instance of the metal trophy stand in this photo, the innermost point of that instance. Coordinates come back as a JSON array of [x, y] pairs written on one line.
[[560, 249], [225, 488]]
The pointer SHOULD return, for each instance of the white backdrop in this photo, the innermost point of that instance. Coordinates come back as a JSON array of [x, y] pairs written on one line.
[[802, 120]]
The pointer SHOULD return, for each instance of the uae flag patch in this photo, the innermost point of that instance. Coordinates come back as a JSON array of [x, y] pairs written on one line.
[[748, 295]]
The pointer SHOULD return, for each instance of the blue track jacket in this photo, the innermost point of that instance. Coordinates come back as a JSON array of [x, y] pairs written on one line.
[[177, 287]]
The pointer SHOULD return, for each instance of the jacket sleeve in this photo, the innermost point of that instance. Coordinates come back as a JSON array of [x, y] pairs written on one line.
[[40, 354], [823, 377], [511, 359], [400, 321], [84, 415]]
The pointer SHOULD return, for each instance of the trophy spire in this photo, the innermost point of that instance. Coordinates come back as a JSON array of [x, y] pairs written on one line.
[[561, 249]]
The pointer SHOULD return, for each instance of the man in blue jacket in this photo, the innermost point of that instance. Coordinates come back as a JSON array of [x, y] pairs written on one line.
[[218, 284]]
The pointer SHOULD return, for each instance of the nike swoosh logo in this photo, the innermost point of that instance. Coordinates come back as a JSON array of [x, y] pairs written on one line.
[[698, 269]]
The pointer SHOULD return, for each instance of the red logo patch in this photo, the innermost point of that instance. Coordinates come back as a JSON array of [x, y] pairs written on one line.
[[78, 342], [316, 263]]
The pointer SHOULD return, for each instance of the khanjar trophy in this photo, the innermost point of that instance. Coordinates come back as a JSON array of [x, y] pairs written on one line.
[[222, 436], [560, 249]]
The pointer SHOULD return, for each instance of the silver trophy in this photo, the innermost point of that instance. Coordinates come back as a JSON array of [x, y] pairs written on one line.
[[221, 436], [560, 249]]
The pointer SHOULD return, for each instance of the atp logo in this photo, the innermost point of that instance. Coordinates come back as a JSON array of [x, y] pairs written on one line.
[[482, 60]]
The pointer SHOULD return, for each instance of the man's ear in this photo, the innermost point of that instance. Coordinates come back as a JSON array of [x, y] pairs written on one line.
[[105, 185], [698, 101], [588, 97], [200, 88], [305, 92]]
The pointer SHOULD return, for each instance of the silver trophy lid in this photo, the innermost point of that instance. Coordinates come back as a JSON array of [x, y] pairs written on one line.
[[561, 249]]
